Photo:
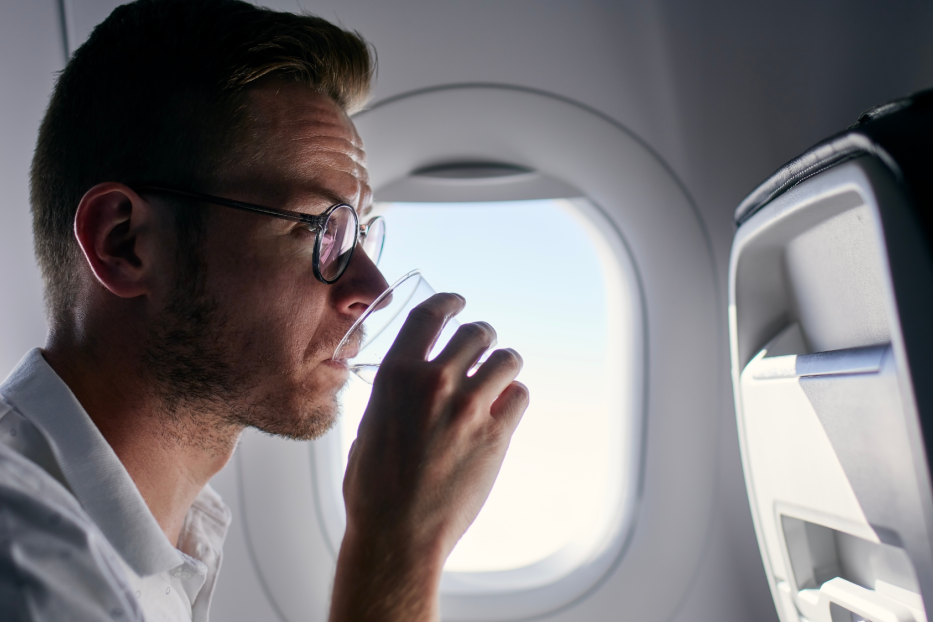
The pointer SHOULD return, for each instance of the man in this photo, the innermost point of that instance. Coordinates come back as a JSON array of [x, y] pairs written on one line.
[[195, 189]]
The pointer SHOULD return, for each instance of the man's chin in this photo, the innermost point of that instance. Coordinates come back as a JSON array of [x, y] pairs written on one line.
[[304, 422]]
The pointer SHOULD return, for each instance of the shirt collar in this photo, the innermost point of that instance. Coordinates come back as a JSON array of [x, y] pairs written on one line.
[[93, 471]]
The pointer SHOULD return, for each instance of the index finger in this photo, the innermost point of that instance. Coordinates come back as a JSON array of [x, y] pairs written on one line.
[[425, 322]]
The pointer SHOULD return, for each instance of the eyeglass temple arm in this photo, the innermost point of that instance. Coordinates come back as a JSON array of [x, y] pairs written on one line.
[[364, 226], [311, 220]]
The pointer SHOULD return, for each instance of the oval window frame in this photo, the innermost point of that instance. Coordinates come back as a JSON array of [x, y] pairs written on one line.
[[588, 556], [683, 340]]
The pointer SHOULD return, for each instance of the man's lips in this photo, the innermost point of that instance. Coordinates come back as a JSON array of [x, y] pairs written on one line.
[[350, 348], [347, 354], [336, 364]]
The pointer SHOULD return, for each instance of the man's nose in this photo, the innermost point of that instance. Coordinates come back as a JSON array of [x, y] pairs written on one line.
[[359, 286]]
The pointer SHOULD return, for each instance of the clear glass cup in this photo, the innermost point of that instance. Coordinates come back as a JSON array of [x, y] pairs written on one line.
[[369, 339]]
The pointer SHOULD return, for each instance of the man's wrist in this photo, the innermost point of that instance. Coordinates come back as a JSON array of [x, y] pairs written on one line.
[[384, 578]]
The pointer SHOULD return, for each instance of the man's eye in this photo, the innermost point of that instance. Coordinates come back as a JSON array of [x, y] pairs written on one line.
[[306, 233]]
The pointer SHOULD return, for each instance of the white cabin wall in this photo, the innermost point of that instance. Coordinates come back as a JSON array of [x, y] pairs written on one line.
[[31, 50], [758, 83]]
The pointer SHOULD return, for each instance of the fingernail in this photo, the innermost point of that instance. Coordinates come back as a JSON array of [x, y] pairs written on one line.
[[459, 296]]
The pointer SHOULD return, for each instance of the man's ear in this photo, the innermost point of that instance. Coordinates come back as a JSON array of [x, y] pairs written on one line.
[[113, 225]]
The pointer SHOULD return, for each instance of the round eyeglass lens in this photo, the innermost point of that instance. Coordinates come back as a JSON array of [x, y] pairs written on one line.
[[337, 240], [375, 238]]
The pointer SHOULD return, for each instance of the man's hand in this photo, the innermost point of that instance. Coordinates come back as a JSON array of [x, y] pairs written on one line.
[[427, 453]]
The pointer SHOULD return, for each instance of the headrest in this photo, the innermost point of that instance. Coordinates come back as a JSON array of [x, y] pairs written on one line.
[[898, 133]]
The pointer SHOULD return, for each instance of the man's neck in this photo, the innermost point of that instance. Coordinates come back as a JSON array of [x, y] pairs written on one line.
[[170, 454]]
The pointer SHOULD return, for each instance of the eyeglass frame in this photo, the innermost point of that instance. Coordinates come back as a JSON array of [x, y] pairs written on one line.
[[314, 222]]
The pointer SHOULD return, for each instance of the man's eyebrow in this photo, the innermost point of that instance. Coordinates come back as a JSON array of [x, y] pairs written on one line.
[[336, 198], [319, 200]]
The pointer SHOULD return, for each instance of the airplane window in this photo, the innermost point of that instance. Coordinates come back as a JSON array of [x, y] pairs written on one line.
[[540, 272]]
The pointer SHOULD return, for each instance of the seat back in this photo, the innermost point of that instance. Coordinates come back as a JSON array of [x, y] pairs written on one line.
[[831, 329]]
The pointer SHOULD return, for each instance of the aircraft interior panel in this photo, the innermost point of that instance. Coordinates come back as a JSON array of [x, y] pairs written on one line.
[[831, 405], [793, 485]]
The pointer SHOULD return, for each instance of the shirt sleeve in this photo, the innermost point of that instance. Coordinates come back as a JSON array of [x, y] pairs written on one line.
[[54, 563]]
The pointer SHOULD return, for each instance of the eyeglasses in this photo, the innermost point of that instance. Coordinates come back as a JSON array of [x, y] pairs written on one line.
[[337, 230]]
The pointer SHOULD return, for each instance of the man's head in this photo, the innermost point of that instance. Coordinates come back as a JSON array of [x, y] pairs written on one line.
[[218, 97]]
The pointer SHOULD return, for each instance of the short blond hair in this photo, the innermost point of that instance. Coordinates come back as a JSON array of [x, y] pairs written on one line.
[[157, 93]]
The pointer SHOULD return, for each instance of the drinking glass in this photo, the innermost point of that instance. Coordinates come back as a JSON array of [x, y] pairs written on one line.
[[369, 339]]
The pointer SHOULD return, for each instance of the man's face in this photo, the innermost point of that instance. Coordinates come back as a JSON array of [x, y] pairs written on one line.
[[253, 340]]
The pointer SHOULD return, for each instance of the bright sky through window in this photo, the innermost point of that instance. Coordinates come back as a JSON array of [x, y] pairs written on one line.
[[533, 271]]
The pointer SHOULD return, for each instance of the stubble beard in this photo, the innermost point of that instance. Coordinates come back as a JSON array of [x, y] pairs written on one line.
[[205, 390]]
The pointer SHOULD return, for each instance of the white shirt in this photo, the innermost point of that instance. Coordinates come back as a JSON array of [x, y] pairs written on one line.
[[77, 540]]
